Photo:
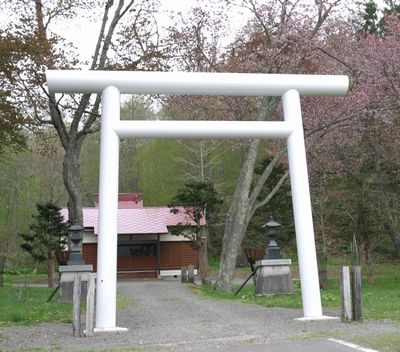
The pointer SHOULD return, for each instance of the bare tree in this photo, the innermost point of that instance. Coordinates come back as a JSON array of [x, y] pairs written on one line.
[[130, 24]]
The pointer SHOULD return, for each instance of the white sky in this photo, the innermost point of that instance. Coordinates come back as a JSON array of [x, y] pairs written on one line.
[[83, 32]]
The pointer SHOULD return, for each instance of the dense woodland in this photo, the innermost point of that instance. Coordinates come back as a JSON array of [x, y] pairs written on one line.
[[50, 144]]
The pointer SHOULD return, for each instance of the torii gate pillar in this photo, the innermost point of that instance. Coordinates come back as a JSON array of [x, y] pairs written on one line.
[[302, 207]]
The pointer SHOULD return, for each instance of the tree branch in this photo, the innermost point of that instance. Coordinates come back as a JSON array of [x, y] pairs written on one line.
[[58, 121], [272, 193], [93, 115], [322, 16], [336, 58], [264, 177], [101, 34]]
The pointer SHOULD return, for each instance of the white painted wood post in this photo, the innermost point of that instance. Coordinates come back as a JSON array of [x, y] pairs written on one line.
[[106, 294], [306, 250], [90, 305], [345, 293], [184, 274], [76, 306], [190, 274], [356, 293]]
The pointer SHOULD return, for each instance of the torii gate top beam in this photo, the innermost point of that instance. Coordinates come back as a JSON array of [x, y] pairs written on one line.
[[195, 83]]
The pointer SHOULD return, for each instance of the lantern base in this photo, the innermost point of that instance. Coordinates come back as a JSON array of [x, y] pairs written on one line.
[[76, 258], [68, 273], [273, 277]]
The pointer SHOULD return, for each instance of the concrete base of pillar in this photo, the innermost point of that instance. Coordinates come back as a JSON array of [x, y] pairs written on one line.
[[322, 317], [274, 277], [67, 281], [113, 329]]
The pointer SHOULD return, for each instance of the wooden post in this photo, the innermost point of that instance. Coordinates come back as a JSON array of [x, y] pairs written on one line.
[[357, 292], [76, 307], [90, 305], [158, 256], [345, 294], [184, 274], [190, 278]]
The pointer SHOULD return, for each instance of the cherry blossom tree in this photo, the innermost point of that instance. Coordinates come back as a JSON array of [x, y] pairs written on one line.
[[364, 148], [280, 37]]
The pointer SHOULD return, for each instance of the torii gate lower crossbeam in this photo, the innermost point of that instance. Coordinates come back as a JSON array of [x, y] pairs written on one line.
[[112, 84]]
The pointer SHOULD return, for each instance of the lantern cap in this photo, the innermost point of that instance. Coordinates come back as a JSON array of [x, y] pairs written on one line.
[[76, 227], [271, 223]]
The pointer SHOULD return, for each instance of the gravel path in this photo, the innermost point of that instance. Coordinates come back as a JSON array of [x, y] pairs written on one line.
[[166, 315]]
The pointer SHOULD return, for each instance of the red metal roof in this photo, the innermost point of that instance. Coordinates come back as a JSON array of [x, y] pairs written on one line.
[[126, 201], [137, 221]]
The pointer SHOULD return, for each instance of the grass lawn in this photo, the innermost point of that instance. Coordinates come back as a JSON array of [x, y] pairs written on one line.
[[59, 349], [144, 349], [380, 300], [26, 305], [22, 304], [24, 279]]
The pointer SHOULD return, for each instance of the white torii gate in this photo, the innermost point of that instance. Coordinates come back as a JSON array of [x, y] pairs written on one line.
[[111, 84]]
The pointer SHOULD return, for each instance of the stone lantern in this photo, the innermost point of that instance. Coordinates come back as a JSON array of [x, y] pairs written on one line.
[[75, 266], [273, 274], [272, 251], [75, 236]]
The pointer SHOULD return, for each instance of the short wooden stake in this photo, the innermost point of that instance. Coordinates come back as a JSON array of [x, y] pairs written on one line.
[[184, 274], [345, 294], [190, 278], [76, 307], [357, 293], [90, 305]]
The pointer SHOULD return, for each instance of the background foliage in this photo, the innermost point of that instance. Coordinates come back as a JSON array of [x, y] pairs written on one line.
[[352, 142]]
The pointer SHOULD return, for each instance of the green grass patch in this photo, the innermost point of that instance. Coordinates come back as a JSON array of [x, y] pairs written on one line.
[[380, 300], [41, 349], [25, 279], [124, 301], [25, 305], [247, 295], [384, 343]]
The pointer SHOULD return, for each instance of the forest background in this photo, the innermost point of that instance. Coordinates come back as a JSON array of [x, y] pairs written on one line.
[[50, 145]]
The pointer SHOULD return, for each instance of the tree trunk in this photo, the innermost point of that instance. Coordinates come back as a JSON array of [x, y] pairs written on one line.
[[50, 272], [237, 220], [72, 181], [203, 258], [322, 256], [2, 267], [396, 243]]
